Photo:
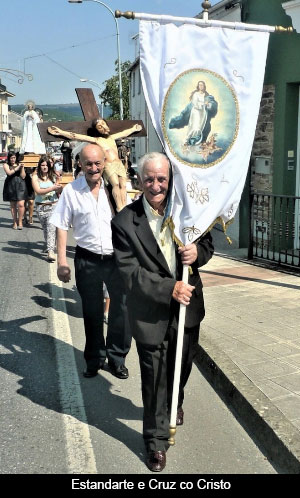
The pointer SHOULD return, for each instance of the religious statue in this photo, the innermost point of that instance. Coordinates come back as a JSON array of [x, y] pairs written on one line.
[[114, 170], [66, 151], [31, 141]]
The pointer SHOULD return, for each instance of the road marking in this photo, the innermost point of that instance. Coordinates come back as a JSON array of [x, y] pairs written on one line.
[[80, 453]]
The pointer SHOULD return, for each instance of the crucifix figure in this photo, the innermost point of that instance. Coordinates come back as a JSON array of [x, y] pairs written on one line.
[[99, 132]]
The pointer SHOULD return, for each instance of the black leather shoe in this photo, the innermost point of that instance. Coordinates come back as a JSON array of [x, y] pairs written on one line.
[[179, 416], [91, 373], [121, 371], [156, 460]]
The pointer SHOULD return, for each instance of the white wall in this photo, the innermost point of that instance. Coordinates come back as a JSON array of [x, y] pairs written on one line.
[[138, 110]]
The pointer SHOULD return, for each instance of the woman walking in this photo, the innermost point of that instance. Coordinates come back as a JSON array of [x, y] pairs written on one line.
[[46, 197], [14, 190]]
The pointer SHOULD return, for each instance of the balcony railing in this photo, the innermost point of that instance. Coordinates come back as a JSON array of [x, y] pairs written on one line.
[[275, 228]]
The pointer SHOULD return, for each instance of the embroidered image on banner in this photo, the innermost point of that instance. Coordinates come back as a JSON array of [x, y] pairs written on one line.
[[200, 118]]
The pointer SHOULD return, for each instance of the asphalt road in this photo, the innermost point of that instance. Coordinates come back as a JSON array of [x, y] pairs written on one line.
[[54, 421]]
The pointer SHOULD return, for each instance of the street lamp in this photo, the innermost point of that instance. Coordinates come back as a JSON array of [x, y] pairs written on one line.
[[84, 80], [118, 47]]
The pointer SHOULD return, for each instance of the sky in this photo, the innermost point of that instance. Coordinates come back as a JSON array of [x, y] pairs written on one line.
[[58, 43]]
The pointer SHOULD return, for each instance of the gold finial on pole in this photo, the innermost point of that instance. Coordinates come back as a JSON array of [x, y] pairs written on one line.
[[205, 6], [281, 29], [128, 14], [172, 432]]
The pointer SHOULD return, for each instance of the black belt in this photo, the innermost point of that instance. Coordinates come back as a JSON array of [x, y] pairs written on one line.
[[80, 251]]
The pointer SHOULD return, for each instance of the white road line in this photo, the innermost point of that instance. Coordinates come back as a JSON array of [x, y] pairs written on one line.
[[80, 454]]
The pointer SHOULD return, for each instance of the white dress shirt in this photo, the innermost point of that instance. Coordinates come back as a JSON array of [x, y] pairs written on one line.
[[90, 218], [163, 236]]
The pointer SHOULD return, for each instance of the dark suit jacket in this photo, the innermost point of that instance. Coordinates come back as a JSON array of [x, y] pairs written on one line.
[[149, 283]]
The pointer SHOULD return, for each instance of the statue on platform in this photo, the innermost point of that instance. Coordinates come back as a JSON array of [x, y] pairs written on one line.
[[66, 151], [31, 140], [114, 170]]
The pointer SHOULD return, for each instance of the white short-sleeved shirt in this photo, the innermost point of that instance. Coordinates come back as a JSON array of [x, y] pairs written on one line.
[[90, 218]]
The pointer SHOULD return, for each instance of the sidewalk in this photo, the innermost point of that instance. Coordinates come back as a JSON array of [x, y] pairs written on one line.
[[249, 350]]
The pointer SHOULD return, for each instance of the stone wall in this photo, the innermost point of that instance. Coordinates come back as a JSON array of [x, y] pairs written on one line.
[[262, 175], [263, 141]]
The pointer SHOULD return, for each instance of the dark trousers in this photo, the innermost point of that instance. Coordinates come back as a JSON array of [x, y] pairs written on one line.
[[157, 365], [90, 273]]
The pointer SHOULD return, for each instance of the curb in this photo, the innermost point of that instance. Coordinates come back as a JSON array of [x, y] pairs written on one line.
[[277, 437]]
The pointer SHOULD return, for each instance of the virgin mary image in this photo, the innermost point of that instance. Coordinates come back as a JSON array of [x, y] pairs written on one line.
[[31, 140], [197, 115]]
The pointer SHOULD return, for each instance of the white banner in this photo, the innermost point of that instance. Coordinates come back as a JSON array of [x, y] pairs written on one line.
[[203, 88]]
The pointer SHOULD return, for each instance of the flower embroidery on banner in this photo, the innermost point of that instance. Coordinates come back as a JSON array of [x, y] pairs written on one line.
[[191, 231], [196, 193]]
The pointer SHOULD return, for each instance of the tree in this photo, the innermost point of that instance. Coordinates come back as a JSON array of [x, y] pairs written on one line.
[[111, 95]]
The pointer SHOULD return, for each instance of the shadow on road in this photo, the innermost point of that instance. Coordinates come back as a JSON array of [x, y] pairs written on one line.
[[33, 249], [32, 356], [70, 298]]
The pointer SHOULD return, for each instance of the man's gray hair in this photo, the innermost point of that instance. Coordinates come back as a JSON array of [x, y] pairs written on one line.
[[151, 156]]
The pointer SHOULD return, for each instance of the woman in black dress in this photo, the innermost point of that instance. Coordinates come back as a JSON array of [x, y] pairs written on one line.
[[14, 190]]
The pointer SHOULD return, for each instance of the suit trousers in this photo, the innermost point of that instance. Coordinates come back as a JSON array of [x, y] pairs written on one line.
[[157, 365], [90, 273]]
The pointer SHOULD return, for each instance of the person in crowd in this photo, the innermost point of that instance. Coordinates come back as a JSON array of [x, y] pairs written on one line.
[[58, 167], [85, 204], [51, 160], [29, 202], [106, 303], [77, 167], [14, 189], [114, 172], [151, 267], [46, 190]]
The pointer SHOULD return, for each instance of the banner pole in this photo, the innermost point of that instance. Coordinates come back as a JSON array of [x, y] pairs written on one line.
[[203, 22], [177, 368]]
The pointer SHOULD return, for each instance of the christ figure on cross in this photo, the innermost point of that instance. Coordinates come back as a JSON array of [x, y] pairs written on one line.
[[114, 170]]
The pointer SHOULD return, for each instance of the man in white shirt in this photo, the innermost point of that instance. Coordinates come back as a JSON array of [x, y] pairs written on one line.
[[85, 205]]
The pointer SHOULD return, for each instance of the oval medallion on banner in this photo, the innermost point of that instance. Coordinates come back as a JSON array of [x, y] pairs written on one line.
[[200, 118]]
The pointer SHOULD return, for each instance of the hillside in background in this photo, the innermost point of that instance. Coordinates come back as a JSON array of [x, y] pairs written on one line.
[[60, 112]]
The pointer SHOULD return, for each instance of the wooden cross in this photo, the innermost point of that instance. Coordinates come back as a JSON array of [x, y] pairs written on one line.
[[90, 111]]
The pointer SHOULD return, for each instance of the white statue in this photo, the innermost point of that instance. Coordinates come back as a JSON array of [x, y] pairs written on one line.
[[31, 140]]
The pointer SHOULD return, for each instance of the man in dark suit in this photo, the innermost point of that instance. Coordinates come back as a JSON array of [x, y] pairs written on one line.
[[151, 267]]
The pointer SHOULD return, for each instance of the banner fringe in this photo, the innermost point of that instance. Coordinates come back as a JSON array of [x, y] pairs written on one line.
[[170, 223]]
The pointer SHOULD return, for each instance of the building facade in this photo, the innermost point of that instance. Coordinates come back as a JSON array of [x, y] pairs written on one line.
[[5, 132], [15, 126]]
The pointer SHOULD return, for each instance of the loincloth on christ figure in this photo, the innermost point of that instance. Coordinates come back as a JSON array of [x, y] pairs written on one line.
[[115, 167]]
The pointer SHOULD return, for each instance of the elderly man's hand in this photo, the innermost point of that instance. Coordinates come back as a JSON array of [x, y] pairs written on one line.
[[182, 292], [188, 254], [64, 273]]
